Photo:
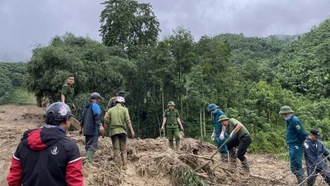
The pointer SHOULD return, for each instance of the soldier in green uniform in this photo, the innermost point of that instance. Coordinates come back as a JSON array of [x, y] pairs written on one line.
[[239, 137], [116, 118], [172, 121], [67, 92]]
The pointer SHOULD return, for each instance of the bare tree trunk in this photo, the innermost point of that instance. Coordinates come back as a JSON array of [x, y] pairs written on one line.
[[163, 107], [204, 122], [187, 112], [181, 104], [201, 123], [138, 117]]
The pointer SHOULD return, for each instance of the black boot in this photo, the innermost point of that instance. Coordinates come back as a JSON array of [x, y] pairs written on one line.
[[245, 166], [302, 180], [224, 157], [233, 158]]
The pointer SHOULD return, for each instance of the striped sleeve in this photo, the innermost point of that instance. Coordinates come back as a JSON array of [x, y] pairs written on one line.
[[74, 175], [14, 177]]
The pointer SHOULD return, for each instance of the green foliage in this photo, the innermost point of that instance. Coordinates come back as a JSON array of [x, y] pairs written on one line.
[[11, 79], [285, 39], [22, 97], [88, 60], [306, 63], [128, 24], [186, 176], [268, 140]]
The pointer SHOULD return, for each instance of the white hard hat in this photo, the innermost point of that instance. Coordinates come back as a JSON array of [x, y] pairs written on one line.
[[120, 99]]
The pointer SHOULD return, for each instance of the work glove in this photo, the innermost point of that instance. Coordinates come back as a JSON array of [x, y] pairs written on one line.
[[213, 136], [306, 145], [222, 136], [232, 135]]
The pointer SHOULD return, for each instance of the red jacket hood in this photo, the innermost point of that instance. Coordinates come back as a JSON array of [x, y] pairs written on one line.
[[42, 138]]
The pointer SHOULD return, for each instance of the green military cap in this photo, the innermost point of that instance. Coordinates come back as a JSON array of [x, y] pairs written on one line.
[[223, 118], [171, 103], [286, 110]]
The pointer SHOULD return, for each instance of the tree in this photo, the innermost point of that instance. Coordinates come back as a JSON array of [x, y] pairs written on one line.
[[94, 69], [128, 24]]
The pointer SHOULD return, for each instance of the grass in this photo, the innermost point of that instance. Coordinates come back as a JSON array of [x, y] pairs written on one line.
[[22, 97]]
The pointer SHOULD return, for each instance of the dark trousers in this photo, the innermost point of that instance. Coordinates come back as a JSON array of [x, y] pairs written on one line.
[[242, 143], [312, 174], [91, 143]]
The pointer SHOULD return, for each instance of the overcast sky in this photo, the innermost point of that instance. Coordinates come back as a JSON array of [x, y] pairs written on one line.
[[25, 23]]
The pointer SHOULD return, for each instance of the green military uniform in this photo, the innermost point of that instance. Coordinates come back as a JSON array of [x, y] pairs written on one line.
[[232, 124], [172, 126], [68, 92], [117, 117]]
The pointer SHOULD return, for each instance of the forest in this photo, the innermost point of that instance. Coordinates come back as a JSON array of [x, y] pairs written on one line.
[[250, 78]]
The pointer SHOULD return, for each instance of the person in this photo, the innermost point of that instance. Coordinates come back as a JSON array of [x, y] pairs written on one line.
[[112, 101], [91, 125], [172, 121], [239, 137], [115, 119], [315, 155], [46, 156], [295, 139], [217, 131], [67, 92]]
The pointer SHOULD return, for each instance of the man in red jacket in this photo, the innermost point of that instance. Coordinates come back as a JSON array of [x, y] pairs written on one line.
[[46, 156]]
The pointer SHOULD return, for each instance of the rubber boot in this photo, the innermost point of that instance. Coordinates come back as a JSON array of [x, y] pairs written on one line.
[[117, 159], [302, 180], [171, 144], [90, 156], [177, 147], [245, 166], [233, 158], [224, 157], [124, 159]]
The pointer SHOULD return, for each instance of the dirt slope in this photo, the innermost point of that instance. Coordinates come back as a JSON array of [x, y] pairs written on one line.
[[151, 162]]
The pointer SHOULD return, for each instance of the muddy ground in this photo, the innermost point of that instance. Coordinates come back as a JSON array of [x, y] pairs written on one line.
[[151, 161]]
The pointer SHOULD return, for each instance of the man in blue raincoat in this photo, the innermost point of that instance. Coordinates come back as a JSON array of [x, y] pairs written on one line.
[[315, 155], [295, 139], [219, 135]]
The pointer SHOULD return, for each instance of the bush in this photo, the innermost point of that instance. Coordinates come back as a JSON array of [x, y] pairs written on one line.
[[22, 97], [268, 142]]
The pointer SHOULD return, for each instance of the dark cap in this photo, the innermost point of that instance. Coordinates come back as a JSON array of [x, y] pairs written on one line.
[[96, 95], [316, 133], [121, 94]]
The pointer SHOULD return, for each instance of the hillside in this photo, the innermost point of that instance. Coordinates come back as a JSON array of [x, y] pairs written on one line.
[[151, 161], [306, 62], [244, 48]]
